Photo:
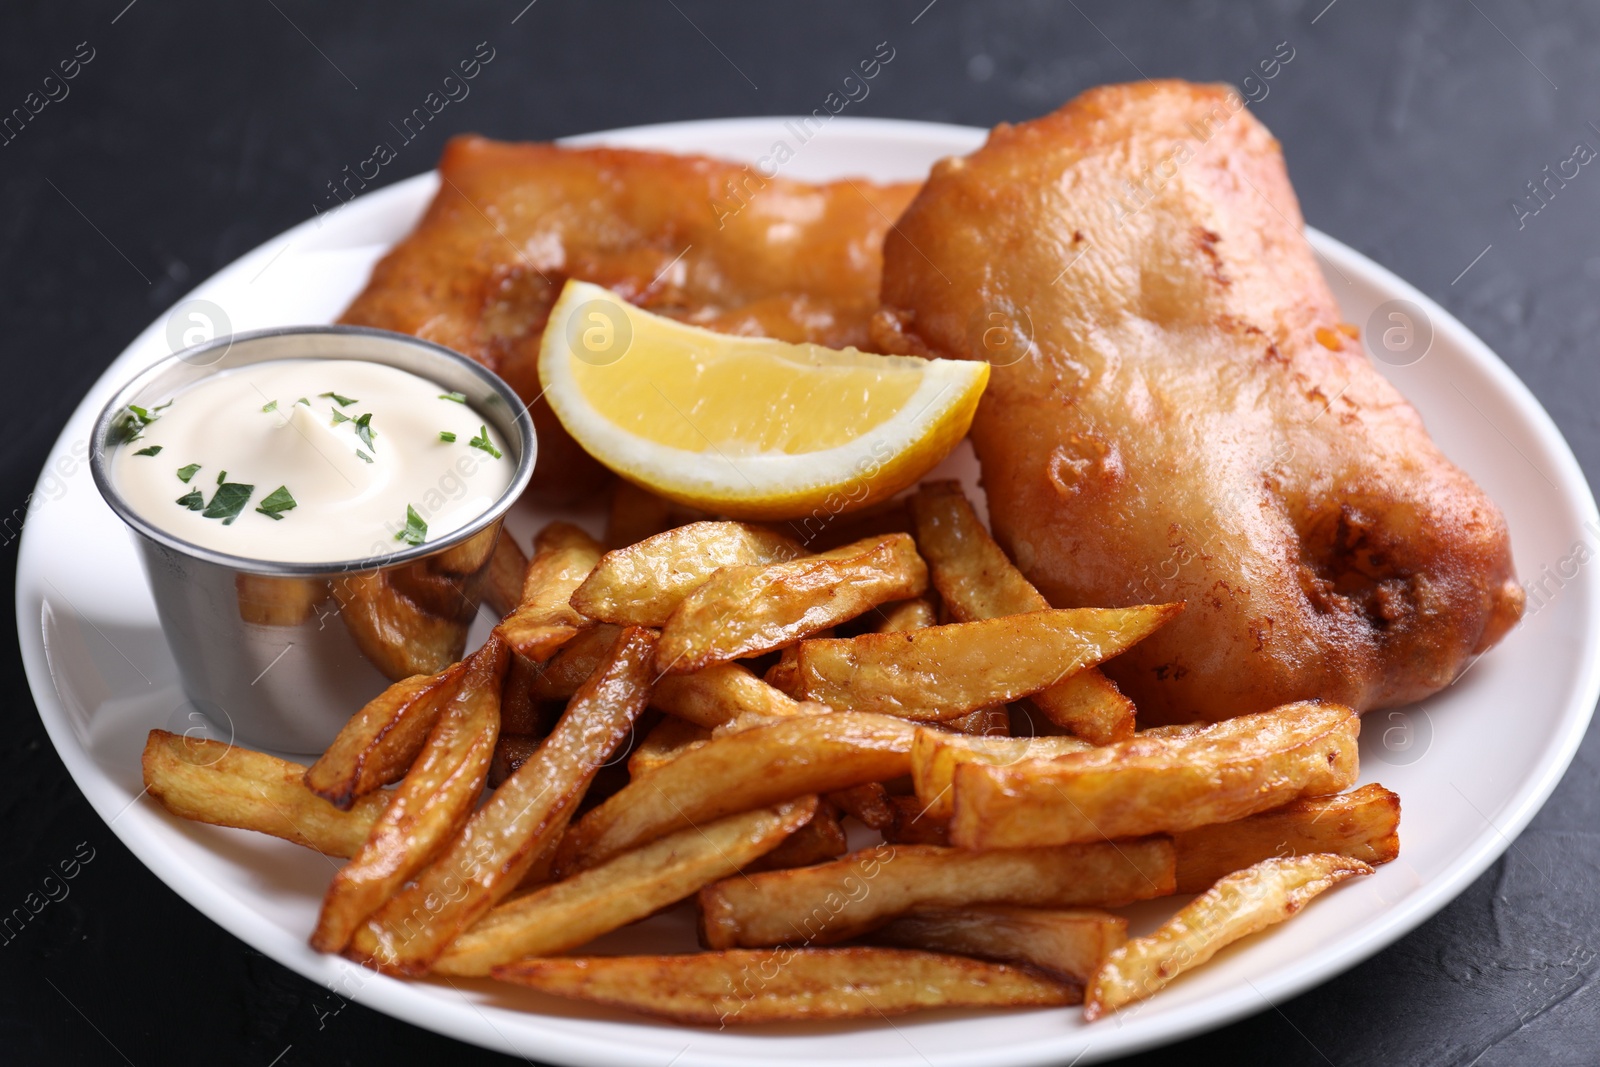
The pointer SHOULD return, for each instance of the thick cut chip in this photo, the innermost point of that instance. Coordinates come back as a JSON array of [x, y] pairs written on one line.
[[567, 670], [381, 741], [740, 771], [727, 988], [670, 739], [544, 620], [746, 610], [216, 783], [1241, 904], [267, 600], [1159, 784], [638, 513], [427, 808], [1071, 942], [976, 580], [502, 590], [820, 840], [915, 614], [641, 584], [935, 754], [525, 815], [862, 891], [941, 672], [719, 694], [564, 915], [1363, 824], [396, 634], [914, 826], [869, 804]]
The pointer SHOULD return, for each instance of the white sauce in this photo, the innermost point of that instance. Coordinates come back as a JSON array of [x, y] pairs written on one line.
[[345, 507]]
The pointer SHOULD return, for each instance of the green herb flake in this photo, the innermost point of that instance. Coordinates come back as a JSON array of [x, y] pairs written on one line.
[[338, 417], [365, 431], [130, 424], [271, 405], [152, 450], [304, 401], [482, 442], [277, 502], [446, 436], [342, 401], [363, 455], [226, 503], [222, 477], [192, 500], [185, 473], [459, 398], [416, 531]]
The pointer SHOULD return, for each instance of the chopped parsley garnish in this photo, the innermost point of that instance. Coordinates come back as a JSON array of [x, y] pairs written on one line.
[[363, 455], [226, 503], [304, 401], [482, 441], [364, 430], [446, 436], [222, 477], [271, 405], [342, 401], [185, 473], [152, 450], [276, 503], [131, 423], [415, 530], [459, 398], [338, 417], [192, 500]]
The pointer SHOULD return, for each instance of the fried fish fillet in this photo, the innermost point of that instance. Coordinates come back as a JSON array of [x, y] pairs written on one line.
[[707, 241], [1176, 414]]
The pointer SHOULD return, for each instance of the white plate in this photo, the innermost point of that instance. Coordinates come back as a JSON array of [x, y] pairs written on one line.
[[1482, 756]]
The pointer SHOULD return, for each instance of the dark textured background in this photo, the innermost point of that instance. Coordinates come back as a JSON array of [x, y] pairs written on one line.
[[200, 130]]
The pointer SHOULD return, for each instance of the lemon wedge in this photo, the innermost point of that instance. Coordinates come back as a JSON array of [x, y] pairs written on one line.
[[747, 427]]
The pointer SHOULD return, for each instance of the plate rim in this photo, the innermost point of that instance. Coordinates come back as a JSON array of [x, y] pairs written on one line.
[[417, 1004]]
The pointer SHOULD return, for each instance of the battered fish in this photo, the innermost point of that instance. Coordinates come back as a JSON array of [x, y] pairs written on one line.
[[706, 241], [1176, 412]]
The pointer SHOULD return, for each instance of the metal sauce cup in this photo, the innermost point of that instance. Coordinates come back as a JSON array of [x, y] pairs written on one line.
[[280, 655]]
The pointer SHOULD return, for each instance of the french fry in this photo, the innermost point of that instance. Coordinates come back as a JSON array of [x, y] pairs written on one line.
[[564, 915], [914, 614], [216, 783], [510, 752], [717, 694], [821, 532], [569, 668], [502, 589], [1362, 824], [820, 840], [1070, 942], [977, 581], [429, 806], [638, 513], [784, 675], [737, 772], [1159, 785], [942, 672], [862, 891], [381, 741], [524, 816], [746, 610], [913, 825], [993, 721], [869, 804], [721, 988], [1241, 904], [520, 711], [670, 739], [394, 633], [935, 755], [544, 620], [267, 600], [642, 584]]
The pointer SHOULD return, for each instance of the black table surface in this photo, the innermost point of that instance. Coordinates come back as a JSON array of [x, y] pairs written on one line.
[[193, 132]]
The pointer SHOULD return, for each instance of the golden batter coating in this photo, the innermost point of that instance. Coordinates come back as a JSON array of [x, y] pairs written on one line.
[[1186, 419], [707, 241]]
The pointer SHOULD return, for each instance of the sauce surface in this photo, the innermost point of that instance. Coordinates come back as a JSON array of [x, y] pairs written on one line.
[[310, 461]]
